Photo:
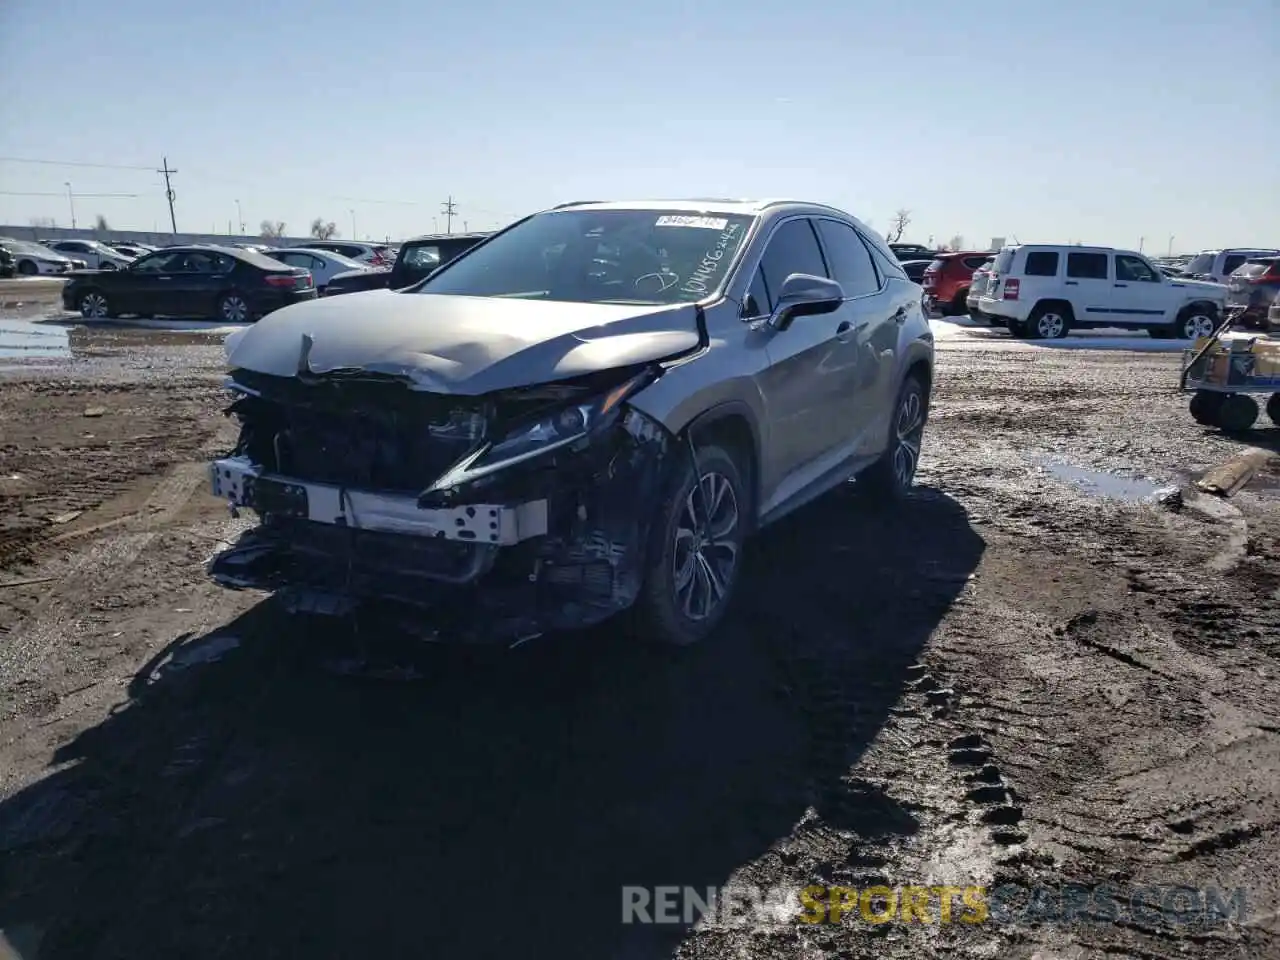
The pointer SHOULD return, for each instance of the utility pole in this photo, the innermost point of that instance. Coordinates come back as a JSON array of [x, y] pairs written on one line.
[[71, 200], [168, 192], [1141, 240], [1171, 245], [353, 223], [240, 218], [447, 209]]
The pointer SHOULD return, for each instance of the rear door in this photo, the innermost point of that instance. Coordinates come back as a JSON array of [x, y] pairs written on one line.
[[1088, 285], [812, 364], [868, 354], [199, 280]]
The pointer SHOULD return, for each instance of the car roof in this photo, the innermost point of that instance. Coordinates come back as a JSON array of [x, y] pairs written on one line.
[[699, 205], [472, 235]]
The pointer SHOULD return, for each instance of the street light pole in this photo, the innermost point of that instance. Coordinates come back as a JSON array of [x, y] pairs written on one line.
[[240, 217], [72, 202], [354, 236]]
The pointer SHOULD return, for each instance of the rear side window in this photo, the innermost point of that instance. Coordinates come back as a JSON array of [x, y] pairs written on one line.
[[1256, 268], [973, 263], [1234, 260], [1087, 266], [793, 248], [937, 266], [848, 258], [1042, 263]]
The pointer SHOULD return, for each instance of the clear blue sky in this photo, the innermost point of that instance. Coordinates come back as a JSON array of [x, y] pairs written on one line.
[[1084, 120]]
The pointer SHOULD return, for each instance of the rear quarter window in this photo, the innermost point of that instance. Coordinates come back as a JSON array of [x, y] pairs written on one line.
[[1042, 263]]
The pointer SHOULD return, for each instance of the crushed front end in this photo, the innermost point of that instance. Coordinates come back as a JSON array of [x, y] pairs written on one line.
[[476, 518]]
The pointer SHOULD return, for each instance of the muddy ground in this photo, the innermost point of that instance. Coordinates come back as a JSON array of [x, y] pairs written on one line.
[[1011, 682]]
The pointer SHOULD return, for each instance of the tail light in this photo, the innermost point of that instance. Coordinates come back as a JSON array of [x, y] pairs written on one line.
[[1011, 288], [930, 277], [292, 281]]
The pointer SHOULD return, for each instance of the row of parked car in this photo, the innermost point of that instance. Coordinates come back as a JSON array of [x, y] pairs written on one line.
[[1046, 290], [243, 282]]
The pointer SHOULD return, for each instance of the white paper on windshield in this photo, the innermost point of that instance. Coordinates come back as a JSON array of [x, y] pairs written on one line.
[[702, 223]]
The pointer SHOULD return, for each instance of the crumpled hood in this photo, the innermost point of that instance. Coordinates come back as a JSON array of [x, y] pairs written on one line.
[[461, 345]]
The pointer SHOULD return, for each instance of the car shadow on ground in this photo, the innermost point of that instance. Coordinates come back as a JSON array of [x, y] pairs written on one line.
[[246, 802]]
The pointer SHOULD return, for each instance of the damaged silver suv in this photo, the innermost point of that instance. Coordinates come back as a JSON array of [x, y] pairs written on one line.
[[589, 411]]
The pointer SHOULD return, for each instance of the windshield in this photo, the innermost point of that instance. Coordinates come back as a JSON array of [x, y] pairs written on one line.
[[1003, 261], [600, 256], [1200, 263]]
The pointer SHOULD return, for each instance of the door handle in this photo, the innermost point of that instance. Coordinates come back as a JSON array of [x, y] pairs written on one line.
[[1122, 285], [844, 331], [1072, 283], [900, 315]]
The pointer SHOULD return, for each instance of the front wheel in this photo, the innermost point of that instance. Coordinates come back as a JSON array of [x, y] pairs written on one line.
[[1273, 409], [1195, 322], [28, 268], [696, 551], [891, 477]]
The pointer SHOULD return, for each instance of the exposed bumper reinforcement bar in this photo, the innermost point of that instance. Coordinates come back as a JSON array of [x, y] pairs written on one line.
[[240, 483]]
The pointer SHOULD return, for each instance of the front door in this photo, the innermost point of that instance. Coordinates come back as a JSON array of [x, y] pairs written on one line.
[[146, 287], [200, 277], [1139, 290]]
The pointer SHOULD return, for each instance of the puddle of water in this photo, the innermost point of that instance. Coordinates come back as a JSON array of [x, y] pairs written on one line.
[[1099, 483], [22, 340]]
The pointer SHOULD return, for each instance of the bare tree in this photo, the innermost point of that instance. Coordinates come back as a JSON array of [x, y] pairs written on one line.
[[46, 223], [898, 225], [101, 224], [323, 231], [272, 229]]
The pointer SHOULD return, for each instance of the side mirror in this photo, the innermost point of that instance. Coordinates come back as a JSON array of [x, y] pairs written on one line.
[[805, 295]]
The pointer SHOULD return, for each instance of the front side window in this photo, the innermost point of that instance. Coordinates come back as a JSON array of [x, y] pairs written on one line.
[[158, 263], [793, 248], [1087, 266], [1134, 269], [600, 256], [758, 302]]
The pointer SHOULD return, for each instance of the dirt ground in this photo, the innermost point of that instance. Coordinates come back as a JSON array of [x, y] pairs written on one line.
[[1011, 683]]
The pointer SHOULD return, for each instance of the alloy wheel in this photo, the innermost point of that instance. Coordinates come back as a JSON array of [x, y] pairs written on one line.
[[1197, 325], [93, 305], [1050, 325], [234, 309], [909, 428], [706, 546]]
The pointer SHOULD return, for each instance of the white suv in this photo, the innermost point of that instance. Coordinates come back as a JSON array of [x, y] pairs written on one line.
[[1044, 290], [1217, 265]]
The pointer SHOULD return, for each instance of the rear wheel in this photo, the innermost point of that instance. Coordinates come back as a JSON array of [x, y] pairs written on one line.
[[1273, 409], [1017, 327], [1049, 321], [233, 308], [1205, 405], [891, 477], [94, 306], [696, 551], [960, 302]]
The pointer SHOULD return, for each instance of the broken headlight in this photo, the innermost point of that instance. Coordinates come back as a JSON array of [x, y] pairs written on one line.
[[532, 438]]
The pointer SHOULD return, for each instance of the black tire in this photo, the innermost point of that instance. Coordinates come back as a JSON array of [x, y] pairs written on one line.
[[1194, 322], [94, 305], [28, 268], [665, 612], [889, 479], [1273, 409], [1049, 321], [233, 307], [1205, 405], [1017, 327], [960, 303], [1238, 412]]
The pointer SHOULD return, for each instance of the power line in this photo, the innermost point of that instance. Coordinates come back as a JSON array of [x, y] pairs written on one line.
[[72, 163], [92, 196]]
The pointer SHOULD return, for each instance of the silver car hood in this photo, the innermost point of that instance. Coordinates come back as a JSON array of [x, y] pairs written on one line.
[[460, 345], [1207, 286]]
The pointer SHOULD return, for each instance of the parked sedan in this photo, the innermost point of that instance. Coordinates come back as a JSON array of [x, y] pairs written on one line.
[[195, 281], [96, 256], [323, 264], [1252, 289], [34, 258], [374, 254], [130, 250]]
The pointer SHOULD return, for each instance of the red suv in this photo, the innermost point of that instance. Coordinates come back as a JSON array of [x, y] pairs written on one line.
[[947, 279]]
